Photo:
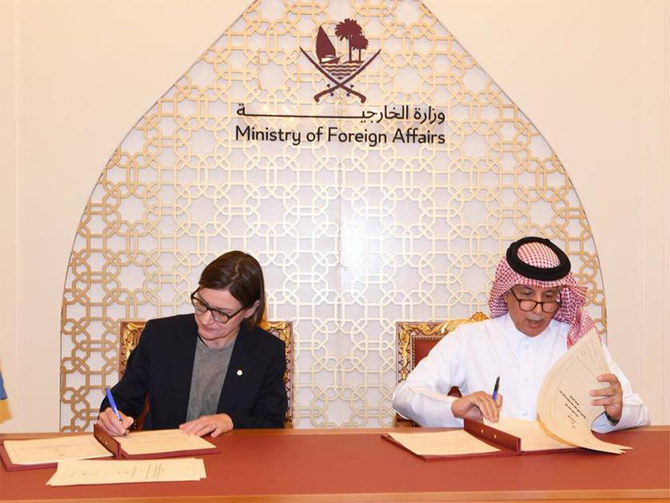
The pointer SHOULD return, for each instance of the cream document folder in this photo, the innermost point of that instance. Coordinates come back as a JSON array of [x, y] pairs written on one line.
[[442, 443], [564, 403], [533, 436], [157, 443], [52, 450], [161, 441]]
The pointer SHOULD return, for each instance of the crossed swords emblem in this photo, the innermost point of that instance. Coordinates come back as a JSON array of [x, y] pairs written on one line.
[[340, 84]]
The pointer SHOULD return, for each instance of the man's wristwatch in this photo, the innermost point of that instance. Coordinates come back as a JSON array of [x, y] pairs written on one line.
[[611, 419]]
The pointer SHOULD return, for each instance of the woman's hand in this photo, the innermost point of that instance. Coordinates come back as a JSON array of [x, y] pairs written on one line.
[[215, 424], [108, 421]]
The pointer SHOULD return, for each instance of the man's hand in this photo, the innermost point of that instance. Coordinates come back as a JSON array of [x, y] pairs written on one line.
[[108, 421], [215, 424], [611, 398], [478, 405]]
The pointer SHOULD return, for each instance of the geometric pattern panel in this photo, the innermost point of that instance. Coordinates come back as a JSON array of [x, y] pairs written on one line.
[[357, 150]]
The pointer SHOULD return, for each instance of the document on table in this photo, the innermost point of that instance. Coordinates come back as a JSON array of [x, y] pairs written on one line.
[[51, 450], [86, 472], [564, 403], [442, 443], [534, 437], [161, 441]]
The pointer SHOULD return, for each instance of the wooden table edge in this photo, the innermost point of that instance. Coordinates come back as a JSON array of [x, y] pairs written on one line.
[[559, 496]]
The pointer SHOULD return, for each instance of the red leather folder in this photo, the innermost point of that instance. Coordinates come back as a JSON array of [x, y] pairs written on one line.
[[112, 446], [12, 467], [509, 445]]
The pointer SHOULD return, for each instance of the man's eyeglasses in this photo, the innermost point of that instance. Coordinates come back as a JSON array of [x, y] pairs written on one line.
[[202, 307], [548, 306]]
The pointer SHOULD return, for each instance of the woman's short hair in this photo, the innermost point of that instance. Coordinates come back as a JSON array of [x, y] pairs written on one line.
[[242, 276]]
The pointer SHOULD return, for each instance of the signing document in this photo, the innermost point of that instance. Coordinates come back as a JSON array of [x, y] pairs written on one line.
[[85, 472], [155, 442], [51, 450], [564, 409], [564, 403], [21, 454], [482, 439]]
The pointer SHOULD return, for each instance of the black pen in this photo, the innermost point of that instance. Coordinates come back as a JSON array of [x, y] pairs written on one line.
[[495, 389]]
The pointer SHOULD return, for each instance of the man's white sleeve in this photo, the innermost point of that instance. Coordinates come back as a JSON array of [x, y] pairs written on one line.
[[423, 396]]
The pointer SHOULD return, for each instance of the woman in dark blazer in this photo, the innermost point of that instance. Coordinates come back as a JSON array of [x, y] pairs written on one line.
[[210, 371]]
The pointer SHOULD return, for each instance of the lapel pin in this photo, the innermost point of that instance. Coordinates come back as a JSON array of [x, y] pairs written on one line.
[[239, 372]]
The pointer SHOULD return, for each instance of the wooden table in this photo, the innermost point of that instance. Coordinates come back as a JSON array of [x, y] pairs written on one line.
[[358, 465]]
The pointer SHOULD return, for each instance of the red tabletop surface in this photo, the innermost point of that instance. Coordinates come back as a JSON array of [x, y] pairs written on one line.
[[304, 462]]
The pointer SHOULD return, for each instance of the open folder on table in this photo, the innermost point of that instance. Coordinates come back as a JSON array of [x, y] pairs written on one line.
[[508, 436], [564, 408], [44, 452]]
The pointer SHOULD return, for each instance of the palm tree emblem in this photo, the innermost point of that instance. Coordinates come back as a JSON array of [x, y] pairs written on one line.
[[352, 31]]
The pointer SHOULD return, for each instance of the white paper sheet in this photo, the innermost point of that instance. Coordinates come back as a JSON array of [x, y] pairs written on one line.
[[564, 402], [87, 472], [442, 443], [161, 441]]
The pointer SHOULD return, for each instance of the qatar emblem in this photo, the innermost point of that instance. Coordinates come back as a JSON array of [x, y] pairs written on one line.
[[340, 74]]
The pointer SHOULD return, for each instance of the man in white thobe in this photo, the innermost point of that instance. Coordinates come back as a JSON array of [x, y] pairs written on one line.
[[536, 316]]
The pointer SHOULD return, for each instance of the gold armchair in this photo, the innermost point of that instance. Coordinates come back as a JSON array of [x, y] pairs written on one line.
[[131, 330], [416, 339]]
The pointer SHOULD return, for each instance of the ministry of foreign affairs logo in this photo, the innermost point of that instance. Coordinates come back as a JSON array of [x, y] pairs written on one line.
[[340, 73]]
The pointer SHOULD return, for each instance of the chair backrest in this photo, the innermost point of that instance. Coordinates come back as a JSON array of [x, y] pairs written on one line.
[[416, 339], [131, 330], [284, 330]]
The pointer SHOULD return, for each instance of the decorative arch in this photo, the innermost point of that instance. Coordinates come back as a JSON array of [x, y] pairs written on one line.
[[400, 213]]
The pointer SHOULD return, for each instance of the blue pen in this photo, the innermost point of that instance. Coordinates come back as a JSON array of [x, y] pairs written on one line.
[[495, 389], [110, 398]]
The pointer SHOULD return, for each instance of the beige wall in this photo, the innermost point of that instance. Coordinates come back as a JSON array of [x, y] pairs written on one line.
[[76, 75], [8, 200]]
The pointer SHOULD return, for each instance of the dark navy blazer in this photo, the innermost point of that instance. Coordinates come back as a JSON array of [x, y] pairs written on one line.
[[253, 393]]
